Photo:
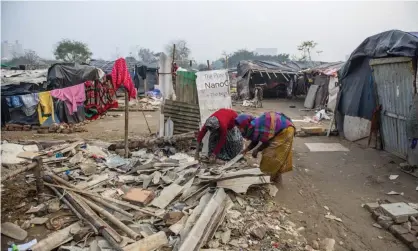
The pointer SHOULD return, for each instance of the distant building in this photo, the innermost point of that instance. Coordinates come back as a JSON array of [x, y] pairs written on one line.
[[11, 50], [266, 51]]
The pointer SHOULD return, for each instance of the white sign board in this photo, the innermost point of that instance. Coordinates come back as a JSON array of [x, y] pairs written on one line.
[[213, 92]]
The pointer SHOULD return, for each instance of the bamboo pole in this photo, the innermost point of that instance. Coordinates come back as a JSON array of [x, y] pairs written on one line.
[[112, 219], [98, 222], [18, 171], [61, 196], [126, 123], [108, 199], [39, 181], [111, 206]]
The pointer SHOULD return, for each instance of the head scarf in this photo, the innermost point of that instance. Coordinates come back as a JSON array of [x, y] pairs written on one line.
[[212, 123], [243, 122]]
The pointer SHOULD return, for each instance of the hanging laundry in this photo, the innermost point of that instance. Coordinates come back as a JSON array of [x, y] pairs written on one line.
[[30, 102], [73, 96], [15, 102], [45, 107], [99, 98], [121, 76]]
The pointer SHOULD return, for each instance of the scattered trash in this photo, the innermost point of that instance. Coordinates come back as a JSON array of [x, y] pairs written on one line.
[[327, 208], [22, 247], [393, 177], [159, 196], [394, 193], [333, 217]]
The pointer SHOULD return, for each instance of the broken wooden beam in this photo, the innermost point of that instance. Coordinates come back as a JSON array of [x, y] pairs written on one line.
[[112, 219], [150, 243], [167, 195], [18, 171], [206, 223]]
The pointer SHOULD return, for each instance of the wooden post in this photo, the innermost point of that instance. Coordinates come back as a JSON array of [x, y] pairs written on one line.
[[226, 62], [126, 123], [145, 87], [39, 180], [207, 61]]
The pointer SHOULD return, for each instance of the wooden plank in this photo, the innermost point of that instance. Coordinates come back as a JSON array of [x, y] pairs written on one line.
[[167, 195], [231, 162], [196, 237], [231, 175], [241, 185], [97, 180], [28, 155], [150, 243]]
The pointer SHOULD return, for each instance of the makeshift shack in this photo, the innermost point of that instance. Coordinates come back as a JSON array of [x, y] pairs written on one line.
[[323, 92], [279, 78], [68, 93], [381, 71]]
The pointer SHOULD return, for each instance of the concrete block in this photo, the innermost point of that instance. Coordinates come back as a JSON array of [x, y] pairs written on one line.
[[313, 130], [398, 230], [399, 212], [408, 238], [371, 206], [385, 224], [414, 246]]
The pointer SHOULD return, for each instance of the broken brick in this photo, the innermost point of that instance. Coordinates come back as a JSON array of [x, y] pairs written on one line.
[[173, 217], [398, 230], [371, 206], [139, 195], [408, 238], [258, 231], [414, 246]]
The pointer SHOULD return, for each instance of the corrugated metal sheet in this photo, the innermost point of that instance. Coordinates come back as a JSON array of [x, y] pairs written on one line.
[[394, 79], [186, 90], [186, 117]]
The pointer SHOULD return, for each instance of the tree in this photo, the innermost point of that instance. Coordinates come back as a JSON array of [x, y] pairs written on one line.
[[182, 52], [147, 56], [72, 51], [305, 48], [29, 57]]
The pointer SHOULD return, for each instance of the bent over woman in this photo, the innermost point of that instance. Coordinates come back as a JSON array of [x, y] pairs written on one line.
[[225, 140], [275, 131]]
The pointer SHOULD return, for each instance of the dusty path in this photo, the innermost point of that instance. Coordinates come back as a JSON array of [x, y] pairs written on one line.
[[343, 181]]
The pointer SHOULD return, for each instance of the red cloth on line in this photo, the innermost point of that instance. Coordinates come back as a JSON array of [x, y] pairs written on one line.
[[226, 118], [121, 76]]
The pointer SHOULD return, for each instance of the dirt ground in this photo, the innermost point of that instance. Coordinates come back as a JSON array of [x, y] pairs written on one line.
[[341, 181]]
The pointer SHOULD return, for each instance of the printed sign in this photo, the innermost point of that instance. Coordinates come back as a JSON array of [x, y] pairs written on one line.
[[213, 92]]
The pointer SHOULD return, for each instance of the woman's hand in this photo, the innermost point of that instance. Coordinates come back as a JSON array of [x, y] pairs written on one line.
[[255, 153], [212, 158]]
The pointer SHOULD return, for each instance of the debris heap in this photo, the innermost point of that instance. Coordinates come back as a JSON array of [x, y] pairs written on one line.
[[156, 199]]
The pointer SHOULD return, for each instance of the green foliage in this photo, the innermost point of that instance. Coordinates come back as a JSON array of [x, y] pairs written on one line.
[[182, 52], [306, 47], [72, 51]]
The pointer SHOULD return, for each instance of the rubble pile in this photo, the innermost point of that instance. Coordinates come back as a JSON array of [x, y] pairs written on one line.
[[156, 199], [54, 128], [400, 219]]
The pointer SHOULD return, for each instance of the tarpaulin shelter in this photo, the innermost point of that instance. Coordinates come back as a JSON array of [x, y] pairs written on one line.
[[380, 71], [62, 75], [254, 72]]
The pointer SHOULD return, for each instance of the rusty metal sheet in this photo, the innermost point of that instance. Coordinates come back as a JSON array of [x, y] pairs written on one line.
[[394, 81]]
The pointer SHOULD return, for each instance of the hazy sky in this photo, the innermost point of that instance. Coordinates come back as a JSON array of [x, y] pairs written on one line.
[[209, 27]]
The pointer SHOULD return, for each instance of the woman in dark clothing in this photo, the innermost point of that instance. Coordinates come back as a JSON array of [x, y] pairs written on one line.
[[225, 140]]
